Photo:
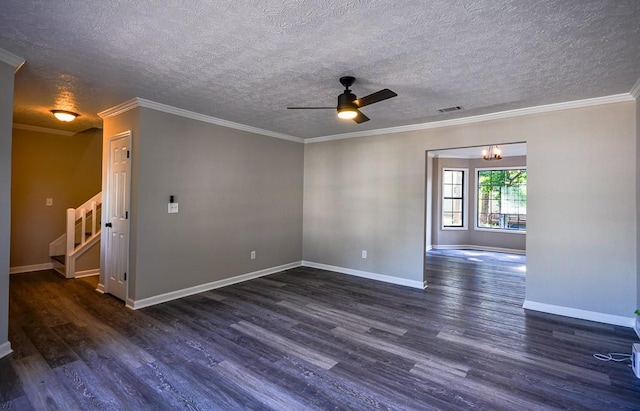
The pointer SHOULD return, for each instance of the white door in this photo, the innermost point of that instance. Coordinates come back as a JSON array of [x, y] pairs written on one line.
[[117, 221]]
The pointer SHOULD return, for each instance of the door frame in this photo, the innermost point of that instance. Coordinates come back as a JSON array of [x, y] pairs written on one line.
[[103, 285]]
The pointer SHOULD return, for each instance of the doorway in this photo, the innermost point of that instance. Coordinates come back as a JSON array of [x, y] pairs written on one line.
[[116, 215], [477, 204]]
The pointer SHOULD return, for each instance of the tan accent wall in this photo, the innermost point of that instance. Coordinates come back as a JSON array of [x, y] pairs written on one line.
[[65, 168], [637, 120]]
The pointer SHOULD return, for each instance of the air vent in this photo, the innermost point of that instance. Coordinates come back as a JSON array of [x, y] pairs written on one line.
[[450, 109]]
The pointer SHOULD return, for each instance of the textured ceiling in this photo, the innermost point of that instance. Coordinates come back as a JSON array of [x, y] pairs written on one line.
[[247, 60]]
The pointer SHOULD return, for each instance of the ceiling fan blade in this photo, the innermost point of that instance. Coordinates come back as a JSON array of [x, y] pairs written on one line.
[[311, 108], [361, 118], [375, 97]]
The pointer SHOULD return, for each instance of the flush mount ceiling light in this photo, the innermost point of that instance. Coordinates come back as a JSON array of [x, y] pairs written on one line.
[[64, 115], [493, 153]]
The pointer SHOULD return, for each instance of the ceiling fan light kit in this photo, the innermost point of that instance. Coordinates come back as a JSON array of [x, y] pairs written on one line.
[[348, 103], [347, 113]]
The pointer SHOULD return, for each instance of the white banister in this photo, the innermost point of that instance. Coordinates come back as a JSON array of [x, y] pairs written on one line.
[[87, 205], [83, 226], [71, 230], [94, 210], [77, 220]]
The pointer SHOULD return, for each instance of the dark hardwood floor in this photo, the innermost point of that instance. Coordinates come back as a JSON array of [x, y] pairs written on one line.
[[311, 339]]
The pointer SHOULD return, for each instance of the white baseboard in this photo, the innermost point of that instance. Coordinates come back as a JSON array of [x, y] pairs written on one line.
[[30, 268], [478, 248], [581, 314], [173, 295], [100, 288], [87, 273], [5, 349], [365, 274]]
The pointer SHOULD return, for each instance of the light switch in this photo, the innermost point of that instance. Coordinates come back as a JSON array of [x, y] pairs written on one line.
[[49, 202], [173, 208]]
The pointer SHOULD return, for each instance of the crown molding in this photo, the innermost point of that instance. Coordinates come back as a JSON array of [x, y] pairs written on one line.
[[617, 98], [43, 129], [214, 120], [11, 59], [140, 102], [635, 90], [119, 109]]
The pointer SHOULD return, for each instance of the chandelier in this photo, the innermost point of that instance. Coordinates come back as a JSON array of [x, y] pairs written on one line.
[[493, 153]]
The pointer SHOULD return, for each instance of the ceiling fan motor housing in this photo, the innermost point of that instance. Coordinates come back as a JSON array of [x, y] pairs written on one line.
[[345, 100]]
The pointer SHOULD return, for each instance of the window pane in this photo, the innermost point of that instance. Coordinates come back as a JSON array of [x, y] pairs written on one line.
[[452, 198], [448, 190], [447, 219], [502, 199]]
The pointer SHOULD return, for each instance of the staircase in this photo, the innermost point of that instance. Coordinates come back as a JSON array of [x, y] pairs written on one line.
[[83, 232]]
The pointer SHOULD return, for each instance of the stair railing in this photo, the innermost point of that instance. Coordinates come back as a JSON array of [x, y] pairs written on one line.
[[79, 215], [77, 239]]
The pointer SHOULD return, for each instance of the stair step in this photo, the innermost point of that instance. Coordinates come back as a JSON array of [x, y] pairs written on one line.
[[59, 258]]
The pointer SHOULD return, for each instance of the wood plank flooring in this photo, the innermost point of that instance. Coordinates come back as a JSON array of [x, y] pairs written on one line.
[[308, 339]]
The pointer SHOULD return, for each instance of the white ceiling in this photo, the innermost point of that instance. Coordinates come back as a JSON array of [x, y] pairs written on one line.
[[247, 60]]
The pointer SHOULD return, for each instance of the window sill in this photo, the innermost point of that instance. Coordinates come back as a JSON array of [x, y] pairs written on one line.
[[500, 230]]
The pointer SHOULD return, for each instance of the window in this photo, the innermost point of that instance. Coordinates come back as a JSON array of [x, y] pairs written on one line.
[[502, 199], [453, 193]]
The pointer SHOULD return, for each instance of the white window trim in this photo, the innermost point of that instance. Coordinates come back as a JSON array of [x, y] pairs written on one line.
[[465, 199], [475, 201]]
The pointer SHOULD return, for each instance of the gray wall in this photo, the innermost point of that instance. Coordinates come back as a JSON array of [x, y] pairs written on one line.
[[369, 193], [6, 117], [366, 194], [237, 192], [470, 236], [581, 243]]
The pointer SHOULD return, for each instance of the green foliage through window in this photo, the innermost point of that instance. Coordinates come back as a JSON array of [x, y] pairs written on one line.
[[502, 199]]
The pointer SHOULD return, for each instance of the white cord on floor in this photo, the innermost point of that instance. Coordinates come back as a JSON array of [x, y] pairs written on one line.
[[613, 356]]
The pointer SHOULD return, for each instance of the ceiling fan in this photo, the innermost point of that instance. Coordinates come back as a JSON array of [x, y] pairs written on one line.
[[348, 104]]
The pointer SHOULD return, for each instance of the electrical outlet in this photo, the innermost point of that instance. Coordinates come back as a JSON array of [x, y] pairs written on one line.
[[49, 202], [253, 255], [364, 253], [173, 208]]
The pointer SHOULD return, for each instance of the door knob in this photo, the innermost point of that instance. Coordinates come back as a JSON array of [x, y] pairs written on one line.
[[108, 225]]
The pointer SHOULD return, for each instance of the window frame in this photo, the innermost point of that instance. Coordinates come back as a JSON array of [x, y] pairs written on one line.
[[476, 200], [465, 199]]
